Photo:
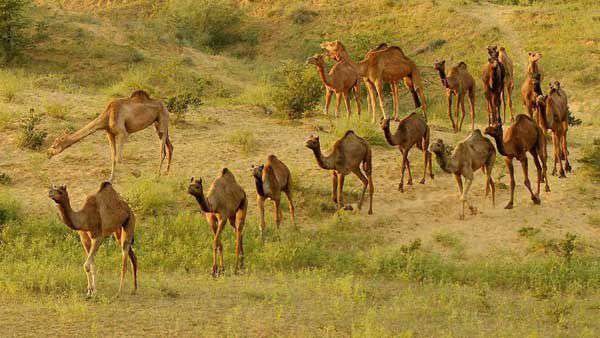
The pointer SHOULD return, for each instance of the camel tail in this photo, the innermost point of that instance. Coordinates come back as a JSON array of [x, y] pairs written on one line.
[[419, 96]]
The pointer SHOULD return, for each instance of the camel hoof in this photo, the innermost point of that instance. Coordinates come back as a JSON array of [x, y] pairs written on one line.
[[568, 168], [370, 212], [348, 207], [554, 172], [400, 188], [536, 200], [422, 181], [473, 210], [562, 174], [509, 206], [409, 182], [547, 189], [432, 176]]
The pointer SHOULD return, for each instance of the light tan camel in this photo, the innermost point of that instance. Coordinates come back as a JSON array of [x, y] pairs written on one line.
[[474, 152], [553, 111], [347, 156], [493, 86], [412, 131], [509, 79], [531, 87], [385, 64], [121, 118], [226, 200], [523, 136], [103, 214], [342, 79], [271, 179], [458, 83]]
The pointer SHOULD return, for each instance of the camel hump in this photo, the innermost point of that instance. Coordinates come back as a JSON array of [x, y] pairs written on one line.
[[272, 158], [349, 132], [225, 171], [104, 185], [462, 65], [140, 94]]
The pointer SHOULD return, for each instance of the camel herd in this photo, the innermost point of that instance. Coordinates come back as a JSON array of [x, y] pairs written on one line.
[[105, 213]]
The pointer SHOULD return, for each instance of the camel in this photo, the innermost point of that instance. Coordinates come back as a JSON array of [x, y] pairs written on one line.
[[347, 156], [523, 136], [493, 86], [384, 64], [341, 80], [226, 200], [531, 87], [458, 82], [474, 152], [553, 111], [509, 80], [103, 214], [271, 179], [412, 131], [121, 118]]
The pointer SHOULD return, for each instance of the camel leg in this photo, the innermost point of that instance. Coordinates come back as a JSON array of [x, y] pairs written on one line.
[[86, 241], [365, 183], [260, 201], [510, 88], [463, 197], [212, 221], [334, 182], [126, 241], [340, 191], [347, 103], [410, 182], [462, 109], [511, 171], [425, 158], [524, 165], [218, 247], [327, 101], [277, 213], [368, 168], [288, 193], [457, 112], [472, 107], [120, 139], [404, 160], [449, 97], [113, 154], [459, 183], [240, 220], [357, 97], [338, 101], [90, 267], [538, 168], [395, 99], [490, 183], [379, 89], [556, 153], [565, 151], [163, 147], [372, 101]]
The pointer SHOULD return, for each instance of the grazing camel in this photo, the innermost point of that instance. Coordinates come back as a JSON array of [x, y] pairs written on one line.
[[103, 214], [474, 152], [412, 131], [531, 87], [383, 64], [493, 87], [121, 118], [226, 200], [271, 179], [347, 156], [341, 80], [553, 111], [458, 82], [509, 79], [523, 136]]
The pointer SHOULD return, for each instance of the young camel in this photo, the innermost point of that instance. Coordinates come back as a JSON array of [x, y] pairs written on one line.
[[553, 111], [474, 152], [226, 200], [493, 87], [103, 214], [347, 156], [384, 64], [412, 131], [342, 79], [531, 87], [509, 79], [523, 136], [271, 179], [458, 82], [121, 118]]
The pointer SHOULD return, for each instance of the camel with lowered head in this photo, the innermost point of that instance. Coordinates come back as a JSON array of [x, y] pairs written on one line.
[[531, 87], [474, 152], [523, 136], [553, 112], [271, 179], [103, 214], [493, 87], [412, 131], [342, 79], [458, 83], [121, 118], [349, 153], [384, 64], [509, 79], [225, 201]]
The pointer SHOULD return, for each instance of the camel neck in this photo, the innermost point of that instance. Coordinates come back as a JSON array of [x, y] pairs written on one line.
[[388, 136], [68, 215], [323, 75], [443, 77], [444, 162], [204, 205], [499, 138], [321, 161], [88, 129], [259, 186]]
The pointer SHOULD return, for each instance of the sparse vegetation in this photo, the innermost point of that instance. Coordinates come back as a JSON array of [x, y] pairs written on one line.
[[244, 139], [31, 137], [296, 90], [13, 23], [179, 105]]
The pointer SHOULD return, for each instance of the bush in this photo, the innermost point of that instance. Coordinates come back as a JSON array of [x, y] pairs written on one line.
[[11, 84], [13, 22], [591, 160], [244, 139], [302, 15], [179, 105], [57, 110], [5, 179], [30, 137], [297, 89], [10, 208], [150, 197]]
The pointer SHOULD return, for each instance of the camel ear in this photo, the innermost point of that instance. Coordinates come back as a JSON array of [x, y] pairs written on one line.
[[529, 53], [63, 187], [192, 179]]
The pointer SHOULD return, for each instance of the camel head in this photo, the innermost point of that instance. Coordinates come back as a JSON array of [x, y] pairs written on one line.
[[58, 145], [534, 56], [492, 51], [317, 60], [257, 170], [440, 65], [437, 147], [195, 187], [495, 130], [312, 142], [333, 48], [59, 194], [554, 86], [384, 123]]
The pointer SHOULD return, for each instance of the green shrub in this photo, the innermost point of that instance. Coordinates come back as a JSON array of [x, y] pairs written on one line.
[[57, 110], [11, 84], [10, 208], [301, 15], [297, 89], [30, 136], [14, 21], [179, 105], [5, 179], [150, 197], [243, 138], [591, 160]]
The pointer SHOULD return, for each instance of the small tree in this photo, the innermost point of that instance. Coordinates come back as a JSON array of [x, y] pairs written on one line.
[[13, 21], [297, 89]]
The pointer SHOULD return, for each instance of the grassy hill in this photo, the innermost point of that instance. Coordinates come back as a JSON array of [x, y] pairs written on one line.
[[411, 269]]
